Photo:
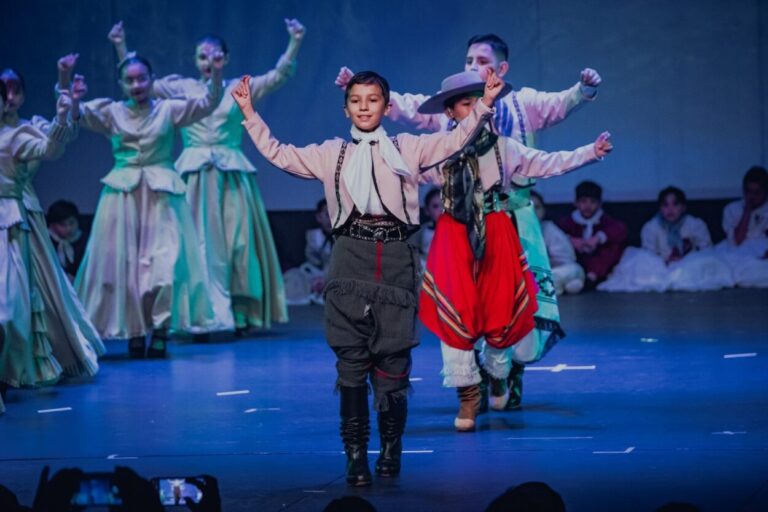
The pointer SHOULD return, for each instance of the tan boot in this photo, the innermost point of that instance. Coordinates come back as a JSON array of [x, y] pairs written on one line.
[[469, 402]]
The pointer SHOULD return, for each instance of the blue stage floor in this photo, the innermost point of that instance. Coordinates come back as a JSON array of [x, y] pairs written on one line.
[[650, 399]]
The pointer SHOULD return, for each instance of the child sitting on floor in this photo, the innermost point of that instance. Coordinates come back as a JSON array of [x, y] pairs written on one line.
[[598, 238], [675, 254], [304, 284], [745, 223]]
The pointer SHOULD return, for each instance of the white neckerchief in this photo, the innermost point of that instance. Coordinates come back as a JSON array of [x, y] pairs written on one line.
[[64, 249], [589, 224], [358, 173]]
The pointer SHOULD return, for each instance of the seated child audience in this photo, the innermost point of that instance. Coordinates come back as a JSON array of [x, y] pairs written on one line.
[[304, 284], [675, 254], [433, 208], [64, 228], [568, 276], [745, 223], [598, 238]]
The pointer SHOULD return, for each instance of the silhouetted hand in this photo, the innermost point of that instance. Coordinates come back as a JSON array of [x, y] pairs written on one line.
[[55, 495], [137, 493], [211, 501]]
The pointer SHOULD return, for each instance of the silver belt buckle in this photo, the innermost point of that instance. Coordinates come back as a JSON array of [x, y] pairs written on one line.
[[378, 233]]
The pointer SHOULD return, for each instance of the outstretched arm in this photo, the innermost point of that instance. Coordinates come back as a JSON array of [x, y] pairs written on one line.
[[308, 162], [545, 109], [117, 37], [30, 143], [194, 108], [286, 64], [66, 65], [534, 163]]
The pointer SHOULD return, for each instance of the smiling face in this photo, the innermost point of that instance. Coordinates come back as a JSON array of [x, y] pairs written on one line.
[[204, 57], [366, 106], [136, 82], [481, 57]]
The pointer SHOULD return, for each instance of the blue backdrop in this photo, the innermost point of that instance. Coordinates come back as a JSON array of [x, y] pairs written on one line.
[[684, 91]]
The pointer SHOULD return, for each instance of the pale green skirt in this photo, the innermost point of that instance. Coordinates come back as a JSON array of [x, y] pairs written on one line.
[[246, 283], [142, 269]]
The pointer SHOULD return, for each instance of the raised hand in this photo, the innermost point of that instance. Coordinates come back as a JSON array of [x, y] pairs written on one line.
[[493, 86], [295, 29], [56, 493], [343, 78], [590, 77], [603, 144], [242, 95], [63, 106], [117, 34], [67, 62], [79, 88]]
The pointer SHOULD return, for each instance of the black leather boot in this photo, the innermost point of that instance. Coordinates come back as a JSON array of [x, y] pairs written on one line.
[[391, 428], [515, 381], [136, 347], [355, 432], [158, 345]]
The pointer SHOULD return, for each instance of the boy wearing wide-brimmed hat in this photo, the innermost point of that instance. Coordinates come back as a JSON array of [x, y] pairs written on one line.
[[477, 282], [519, 115]]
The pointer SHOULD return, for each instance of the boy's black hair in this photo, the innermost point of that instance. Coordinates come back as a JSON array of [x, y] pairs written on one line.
[[589, 189], [213, 39], [3, 91], [495, 42], [61, 210], [13, 80], [368, 78], [756, 174], [678, 193], [432, 193], [453, 100], [133, 59], [320, 205]]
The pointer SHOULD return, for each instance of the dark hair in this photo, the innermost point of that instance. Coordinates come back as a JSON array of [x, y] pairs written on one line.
[[434, 191], [13, 80], [368, 78], [213, 39], [320, 205], [756, 174], [530, 496], [3, 91], [536, 194], [61, 210], [678, 193], [453, 100], [133, 59], [589, 189], [349, 504], [495, 42]]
